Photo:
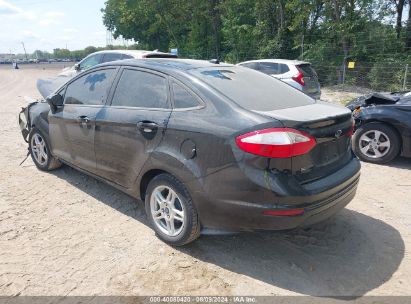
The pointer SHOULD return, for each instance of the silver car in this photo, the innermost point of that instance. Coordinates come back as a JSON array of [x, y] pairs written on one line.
[[298, 74], [111, 55]]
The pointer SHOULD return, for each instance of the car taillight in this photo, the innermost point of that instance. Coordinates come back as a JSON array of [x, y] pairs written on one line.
[[299, 77], [276, 142], [351, 130]]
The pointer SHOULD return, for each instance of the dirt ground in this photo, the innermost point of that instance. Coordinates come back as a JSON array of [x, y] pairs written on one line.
[[64, 233]]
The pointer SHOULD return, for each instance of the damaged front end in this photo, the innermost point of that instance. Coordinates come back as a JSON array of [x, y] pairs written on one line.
[[25, 120], [37, 110], [360, 106], [375, 99]]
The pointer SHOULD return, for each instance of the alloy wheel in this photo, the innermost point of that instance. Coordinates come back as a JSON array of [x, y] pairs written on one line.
[[374, 144], [167, 210], [39, 149]]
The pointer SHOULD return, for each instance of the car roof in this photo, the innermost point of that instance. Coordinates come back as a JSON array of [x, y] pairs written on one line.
[[135, 53], [286, 61], [167, 65]]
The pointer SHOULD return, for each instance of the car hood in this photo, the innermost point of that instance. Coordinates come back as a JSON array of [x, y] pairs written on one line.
[[68, 72], [49, 85], [378, 98]]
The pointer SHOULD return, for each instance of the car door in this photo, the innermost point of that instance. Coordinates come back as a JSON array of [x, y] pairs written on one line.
[[72, 126], [132, 126]]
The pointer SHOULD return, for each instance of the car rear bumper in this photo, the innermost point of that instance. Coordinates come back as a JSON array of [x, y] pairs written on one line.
[[322, 199]]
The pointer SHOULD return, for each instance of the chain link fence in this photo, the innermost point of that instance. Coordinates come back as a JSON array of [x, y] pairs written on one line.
[[365, 76], [371, 76]]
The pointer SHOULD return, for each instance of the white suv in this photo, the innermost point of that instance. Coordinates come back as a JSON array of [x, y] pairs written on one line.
[[298, 74]]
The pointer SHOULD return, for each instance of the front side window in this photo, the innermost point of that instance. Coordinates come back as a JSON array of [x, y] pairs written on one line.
[[90, 61], [90, 89], [141, 90], [183, 98]]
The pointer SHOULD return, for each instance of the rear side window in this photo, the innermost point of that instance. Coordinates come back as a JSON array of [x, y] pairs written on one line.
[[250, 65], [90, 89], [111, 57], [252, 90], [183, 98], [127, 56], [91, 61], [154, 55], [307, 70], [269, 68], [284, 68], [140, 89]]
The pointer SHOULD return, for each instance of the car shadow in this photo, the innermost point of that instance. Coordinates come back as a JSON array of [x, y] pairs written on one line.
[[348, 255], [400, 163]]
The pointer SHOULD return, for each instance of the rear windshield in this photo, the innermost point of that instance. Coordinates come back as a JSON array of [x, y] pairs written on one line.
[[307, 70], [252, 90]]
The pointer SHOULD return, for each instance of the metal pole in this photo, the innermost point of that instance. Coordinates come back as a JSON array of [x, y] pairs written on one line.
[[404, 85], [302, 47], [344, 71], [24, 50]]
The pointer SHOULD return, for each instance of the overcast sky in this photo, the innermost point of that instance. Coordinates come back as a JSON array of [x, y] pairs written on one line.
[[48, 24]]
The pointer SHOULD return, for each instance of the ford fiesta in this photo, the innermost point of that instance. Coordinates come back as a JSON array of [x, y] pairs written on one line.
[[205, 146]]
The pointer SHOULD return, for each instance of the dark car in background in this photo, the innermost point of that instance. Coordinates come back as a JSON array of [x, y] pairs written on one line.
[[204, 145], [383, 126]]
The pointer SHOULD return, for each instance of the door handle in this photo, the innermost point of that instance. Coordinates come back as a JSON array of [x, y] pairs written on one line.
[[83, 119], [147, 126]]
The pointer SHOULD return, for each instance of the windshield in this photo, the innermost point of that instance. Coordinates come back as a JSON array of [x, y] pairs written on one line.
[[252, 90]]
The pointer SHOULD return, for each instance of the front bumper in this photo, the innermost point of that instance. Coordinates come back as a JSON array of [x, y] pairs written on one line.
[[25, 120]]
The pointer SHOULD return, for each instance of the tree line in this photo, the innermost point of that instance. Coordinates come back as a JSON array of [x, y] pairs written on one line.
[[326, 32], [242, 29]]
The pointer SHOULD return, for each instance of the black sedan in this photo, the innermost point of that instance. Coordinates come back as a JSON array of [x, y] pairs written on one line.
[[204, 145], [383, 126]]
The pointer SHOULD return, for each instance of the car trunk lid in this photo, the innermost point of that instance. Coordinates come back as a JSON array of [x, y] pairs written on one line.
[[330, 125]]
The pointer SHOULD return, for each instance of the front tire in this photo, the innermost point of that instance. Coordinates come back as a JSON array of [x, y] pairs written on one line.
[[376, 143], [170, 211], [40, 152]]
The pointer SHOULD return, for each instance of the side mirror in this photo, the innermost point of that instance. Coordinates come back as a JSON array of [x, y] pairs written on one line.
[[55, 102], [77, 67]]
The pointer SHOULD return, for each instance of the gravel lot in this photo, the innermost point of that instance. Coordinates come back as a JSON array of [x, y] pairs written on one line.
[[64, 233]]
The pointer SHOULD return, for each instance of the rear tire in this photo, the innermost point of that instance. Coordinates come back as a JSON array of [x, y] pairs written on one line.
[[376, 143], [170, 211], [40, 152]]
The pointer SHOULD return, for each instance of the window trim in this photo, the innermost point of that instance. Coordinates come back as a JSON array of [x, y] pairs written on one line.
[[109, 102], [201, 103], [84, 74]]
